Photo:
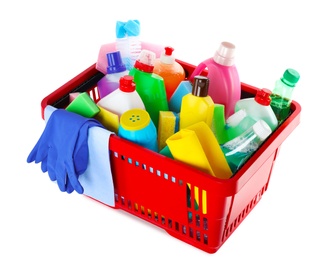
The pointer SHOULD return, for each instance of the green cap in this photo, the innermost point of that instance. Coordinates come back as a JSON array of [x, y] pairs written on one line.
[[290, 77]]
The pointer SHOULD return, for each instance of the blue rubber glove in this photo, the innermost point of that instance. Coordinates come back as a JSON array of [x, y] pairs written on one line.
[[62, 148]]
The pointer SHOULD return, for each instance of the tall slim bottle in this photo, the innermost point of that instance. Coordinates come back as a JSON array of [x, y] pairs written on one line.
[[150, 86], [281, 95]]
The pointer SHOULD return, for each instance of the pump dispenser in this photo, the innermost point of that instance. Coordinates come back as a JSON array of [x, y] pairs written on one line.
[[122, 99], [225, 87], [150, 86], [198, 105], [115, 70], [171, 71], [259, 107]]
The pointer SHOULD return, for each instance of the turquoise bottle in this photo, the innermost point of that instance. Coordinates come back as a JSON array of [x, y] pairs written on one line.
[[150, 86], [281, 95]]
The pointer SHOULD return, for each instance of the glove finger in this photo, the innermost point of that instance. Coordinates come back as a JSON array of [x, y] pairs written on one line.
[[42, 152], [61, 175], [44, 164], [69, 187], [73, 178]]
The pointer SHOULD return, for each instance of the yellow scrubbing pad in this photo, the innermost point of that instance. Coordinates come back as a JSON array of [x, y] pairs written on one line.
[[168, 125], [108, 119]]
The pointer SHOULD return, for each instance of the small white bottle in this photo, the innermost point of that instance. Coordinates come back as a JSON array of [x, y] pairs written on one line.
[[236, 124], [259, 107], [122, 99], [239, 149]]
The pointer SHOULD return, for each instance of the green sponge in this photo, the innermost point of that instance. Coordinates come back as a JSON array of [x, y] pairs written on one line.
[[218, 123]]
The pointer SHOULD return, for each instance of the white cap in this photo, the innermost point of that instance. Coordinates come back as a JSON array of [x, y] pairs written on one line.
[[225, 54], [147, 57], [262, 129], [236, 118], [167, 56]]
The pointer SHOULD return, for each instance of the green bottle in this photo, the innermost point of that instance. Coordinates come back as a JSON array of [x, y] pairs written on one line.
[[281, 96], [150, 86]]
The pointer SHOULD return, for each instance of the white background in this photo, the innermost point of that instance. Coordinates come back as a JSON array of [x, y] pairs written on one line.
[[46, 43]]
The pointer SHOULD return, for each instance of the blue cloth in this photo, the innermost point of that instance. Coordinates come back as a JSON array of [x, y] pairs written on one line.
[[62, 148]]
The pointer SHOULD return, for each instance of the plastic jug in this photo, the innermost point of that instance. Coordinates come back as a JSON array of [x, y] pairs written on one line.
[[258, 107], [225, 87], [122, 99]]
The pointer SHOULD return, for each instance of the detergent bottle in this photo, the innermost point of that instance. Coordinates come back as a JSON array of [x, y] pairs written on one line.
[[258, 107], [115, 70], [198, 105], [172, 72], [122, 99], [150, 86], [225, 87]]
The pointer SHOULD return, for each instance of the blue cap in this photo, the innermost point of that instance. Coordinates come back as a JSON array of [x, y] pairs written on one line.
[[129, 28], [115, 63]]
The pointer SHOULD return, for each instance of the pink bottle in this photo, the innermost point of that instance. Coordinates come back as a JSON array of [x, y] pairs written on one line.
[[225, 85]]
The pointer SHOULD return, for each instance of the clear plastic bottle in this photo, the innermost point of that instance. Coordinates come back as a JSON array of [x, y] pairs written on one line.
[[258, 107], [225, 87], [122, 99], [115, 70], [128, 42], [240, 148], [236, 124], [150, 86], [198, 105], [172, 72], [281, 95]]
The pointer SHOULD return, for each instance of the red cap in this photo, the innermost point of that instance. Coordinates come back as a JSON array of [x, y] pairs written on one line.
[[169, 51], [263, 97], [126, 84]]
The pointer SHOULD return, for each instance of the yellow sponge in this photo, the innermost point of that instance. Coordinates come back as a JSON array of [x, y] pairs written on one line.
[[168, 125], [108, 119]]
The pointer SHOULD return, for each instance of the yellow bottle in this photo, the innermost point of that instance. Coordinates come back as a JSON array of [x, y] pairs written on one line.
[[198, 105]]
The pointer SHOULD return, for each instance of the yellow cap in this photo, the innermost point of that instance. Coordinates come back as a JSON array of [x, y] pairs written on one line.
[[135, 119]]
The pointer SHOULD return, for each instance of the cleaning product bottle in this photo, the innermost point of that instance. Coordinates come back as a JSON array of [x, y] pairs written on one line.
[[258, 107], [236, 124], [122, 99], [172, 72], [128, 42], [240, 148], [150, 86], [281, 95], [136, 126], [225, 87], [198, 105], [115, 70]]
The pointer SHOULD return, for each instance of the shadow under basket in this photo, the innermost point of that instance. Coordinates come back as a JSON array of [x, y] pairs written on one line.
[[188, 204]]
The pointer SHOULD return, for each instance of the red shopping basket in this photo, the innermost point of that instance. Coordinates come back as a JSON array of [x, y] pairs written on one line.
[[190, 205]]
